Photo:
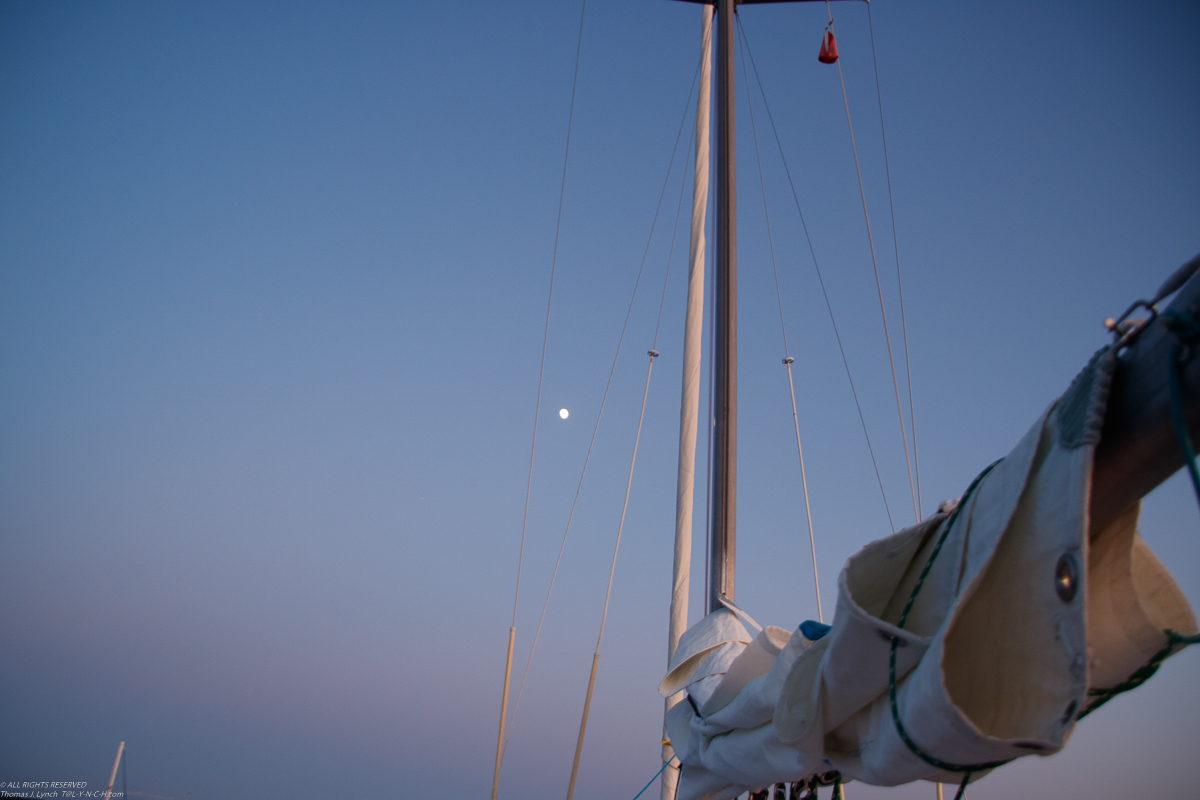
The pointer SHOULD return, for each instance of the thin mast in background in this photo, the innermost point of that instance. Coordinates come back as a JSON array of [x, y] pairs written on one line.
[[113, 778]]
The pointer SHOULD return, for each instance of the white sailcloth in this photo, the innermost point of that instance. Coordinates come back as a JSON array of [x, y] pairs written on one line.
[[1018, 622], [689, 412]]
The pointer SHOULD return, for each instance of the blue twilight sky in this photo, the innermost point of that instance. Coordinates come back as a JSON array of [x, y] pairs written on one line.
[[272, 288]]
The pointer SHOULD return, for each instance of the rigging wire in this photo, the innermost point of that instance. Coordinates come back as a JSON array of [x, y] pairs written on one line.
[[612, 571], [878, 284], [603, 399], [821, 281], [787, 358], [549, 302], [503, 736], [912, 414], [653, 353]]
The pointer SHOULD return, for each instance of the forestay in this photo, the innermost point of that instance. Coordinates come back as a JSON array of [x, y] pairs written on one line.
[[1019, 621]]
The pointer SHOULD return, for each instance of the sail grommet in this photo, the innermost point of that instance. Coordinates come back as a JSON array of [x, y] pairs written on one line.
[[1066, 577]]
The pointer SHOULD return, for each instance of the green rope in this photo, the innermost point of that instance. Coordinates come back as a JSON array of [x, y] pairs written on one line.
[[962, 787], [913, 746], [945, 533], [1186, 329], [1142, 674]]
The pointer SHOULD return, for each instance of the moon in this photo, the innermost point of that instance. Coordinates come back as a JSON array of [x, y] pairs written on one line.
[[563, 413]]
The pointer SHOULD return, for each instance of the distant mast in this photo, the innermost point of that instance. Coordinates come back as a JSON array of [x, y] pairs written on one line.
[[113, 778]]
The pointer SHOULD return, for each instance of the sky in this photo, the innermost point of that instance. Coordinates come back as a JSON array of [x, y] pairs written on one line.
[[273, 285]]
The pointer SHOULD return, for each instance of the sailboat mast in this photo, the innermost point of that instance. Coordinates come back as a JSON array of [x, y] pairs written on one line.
[[724, 470]]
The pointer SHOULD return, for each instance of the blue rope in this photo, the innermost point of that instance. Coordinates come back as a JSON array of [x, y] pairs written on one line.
[[652, 780]]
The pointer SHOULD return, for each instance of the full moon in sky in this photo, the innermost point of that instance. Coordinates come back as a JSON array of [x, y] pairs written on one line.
[[563, 413]]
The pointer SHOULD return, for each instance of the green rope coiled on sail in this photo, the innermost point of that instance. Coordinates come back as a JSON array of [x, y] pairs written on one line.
[[1185, 329], [1142, 674], [913, 746]]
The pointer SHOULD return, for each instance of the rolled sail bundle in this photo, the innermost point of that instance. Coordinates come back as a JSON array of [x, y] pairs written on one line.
[[976, 637]]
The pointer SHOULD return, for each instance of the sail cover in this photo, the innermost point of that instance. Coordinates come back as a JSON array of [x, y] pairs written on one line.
[[1004, 621]]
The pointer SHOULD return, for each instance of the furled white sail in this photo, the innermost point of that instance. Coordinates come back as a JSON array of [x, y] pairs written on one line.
[[689, 412], [1018, 625]]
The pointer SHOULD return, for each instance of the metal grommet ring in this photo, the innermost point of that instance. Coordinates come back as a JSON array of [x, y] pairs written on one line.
[[1066, 577]]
